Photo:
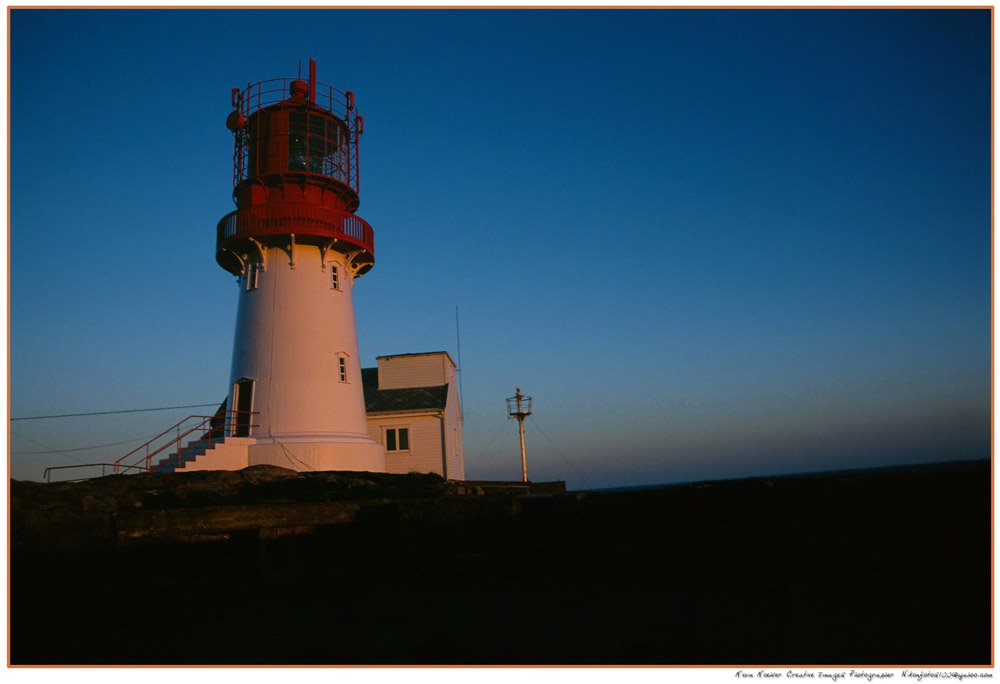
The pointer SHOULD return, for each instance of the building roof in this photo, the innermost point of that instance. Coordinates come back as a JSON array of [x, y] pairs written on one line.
[[431, 353], [398, 400]]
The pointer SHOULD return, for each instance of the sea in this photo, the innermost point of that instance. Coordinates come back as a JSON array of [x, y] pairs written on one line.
[[913, 467]]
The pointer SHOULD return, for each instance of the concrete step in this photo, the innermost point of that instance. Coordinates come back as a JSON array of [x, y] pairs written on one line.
[[189, 453], [228, 454]]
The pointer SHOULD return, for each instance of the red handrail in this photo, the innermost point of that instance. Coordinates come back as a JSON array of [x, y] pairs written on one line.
[[178, 432], [147, 444]]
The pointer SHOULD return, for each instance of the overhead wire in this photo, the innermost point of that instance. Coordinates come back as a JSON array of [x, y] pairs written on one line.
[[459, 373], [489, 446], [54, 451], [62, 451], [558, 451], [493, 439], [289, 455], [496, 456], [109, 413]]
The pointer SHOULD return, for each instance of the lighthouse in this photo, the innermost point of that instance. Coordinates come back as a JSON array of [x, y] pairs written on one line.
[[296, 247], [298, 397]]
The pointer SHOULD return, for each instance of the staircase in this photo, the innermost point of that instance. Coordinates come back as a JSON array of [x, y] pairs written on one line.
[[221, 453], [186, 454], [214, 434], [185, 442]]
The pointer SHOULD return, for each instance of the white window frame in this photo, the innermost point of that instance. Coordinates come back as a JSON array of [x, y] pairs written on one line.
[[342, 375], [252, 274], [334, 277], [396, 429]]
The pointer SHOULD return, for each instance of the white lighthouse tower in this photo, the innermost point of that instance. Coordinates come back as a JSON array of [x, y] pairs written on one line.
[[296, 246]]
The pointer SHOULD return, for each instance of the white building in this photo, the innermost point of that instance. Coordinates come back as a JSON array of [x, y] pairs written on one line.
[[414, 413]]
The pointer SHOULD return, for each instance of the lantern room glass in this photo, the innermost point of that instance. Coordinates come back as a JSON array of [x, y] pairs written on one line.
[[314, 142]]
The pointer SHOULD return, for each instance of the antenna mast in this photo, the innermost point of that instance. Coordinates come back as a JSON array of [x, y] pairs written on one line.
[[461, 396], [519, 406]]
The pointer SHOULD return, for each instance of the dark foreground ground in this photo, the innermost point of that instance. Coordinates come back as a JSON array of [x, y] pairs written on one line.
[[266, 566]]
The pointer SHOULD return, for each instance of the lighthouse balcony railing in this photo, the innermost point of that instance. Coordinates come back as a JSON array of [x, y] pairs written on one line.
[[299, 219], [272, 91]]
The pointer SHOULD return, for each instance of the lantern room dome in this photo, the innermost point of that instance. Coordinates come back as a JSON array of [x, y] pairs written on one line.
[[295, 126], [295, 172]]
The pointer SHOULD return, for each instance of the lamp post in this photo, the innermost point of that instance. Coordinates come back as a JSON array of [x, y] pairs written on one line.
[[519, 406]]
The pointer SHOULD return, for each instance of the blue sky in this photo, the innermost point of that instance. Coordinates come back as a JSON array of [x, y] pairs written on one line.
[[709, 243]]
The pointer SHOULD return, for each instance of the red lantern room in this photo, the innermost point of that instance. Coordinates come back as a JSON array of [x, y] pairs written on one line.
[[295, 172]]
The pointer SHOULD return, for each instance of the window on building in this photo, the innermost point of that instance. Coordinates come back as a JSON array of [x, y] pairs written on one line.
[[397, 439], [334, 278], [343, 368]]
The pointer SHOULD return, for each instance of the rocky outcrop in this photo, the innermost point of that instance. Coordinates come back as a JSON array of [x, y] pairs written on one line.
[[269, 566], [106, 512]]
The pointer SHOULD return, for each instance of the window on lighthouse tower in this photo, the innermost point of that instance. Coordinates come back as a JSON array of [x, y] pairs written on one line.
[[251, 276]]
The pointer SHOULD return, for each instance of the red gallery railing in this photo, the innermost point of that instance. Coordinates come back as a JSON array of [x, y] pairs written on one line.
[[295, 218]]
